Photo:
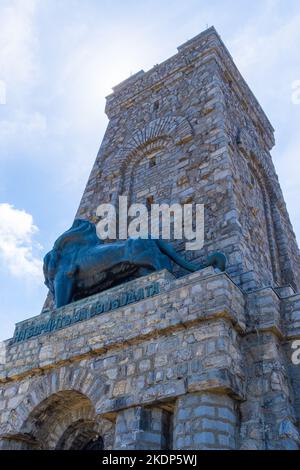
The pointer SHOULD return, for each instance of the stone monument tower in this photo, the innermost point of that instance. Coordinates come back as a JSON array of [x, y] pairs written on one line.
[[173, 361]]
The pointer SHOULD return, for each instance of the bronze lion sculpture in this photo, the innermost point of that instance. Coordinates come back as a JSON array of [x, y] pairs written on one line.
[[80, 264]]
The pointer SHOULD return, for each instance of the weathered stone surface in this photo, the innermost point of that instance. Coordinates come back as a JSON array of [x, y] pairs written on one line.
[[205, 421], [204, 360]]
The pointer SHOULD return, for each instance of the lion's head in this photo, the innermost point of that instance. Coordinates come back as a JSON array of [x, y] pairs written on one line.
[[82, 233]]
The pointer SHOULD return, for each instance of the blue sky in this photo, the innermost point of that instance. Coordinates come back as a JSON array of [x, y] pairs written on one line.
[[58, 61]]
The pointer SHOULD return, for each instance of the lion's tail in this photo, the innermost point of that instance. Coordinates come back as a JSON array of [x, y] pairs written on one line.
[[217, 260]]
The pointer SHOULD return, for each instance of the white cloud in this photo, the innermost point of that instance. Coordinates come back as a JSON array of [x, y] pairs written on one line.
[[17, 245]]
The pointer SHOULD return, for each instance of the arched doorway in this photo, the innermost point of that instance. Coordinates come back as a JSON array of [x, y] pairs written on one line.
[[96, 444], [86, 435], [67, 420]]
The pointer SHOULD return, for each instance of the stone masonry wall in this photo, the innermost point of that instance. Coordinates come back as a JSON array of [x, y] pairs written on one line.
[[269, 243], [185, 136], [190, 130], [204, 360], [198, 365], [205, 421]]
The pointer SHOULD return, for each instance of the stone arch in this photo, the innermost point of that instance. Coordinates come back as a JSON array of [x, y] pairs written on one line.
[[271, 237], [107, 177], [81, 433], [78, 435], [156, 135], [249, 146], [78, 379], [48, 419], [153, 137], [65, 419], [259, 165], [130, 165], [177, 128]]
